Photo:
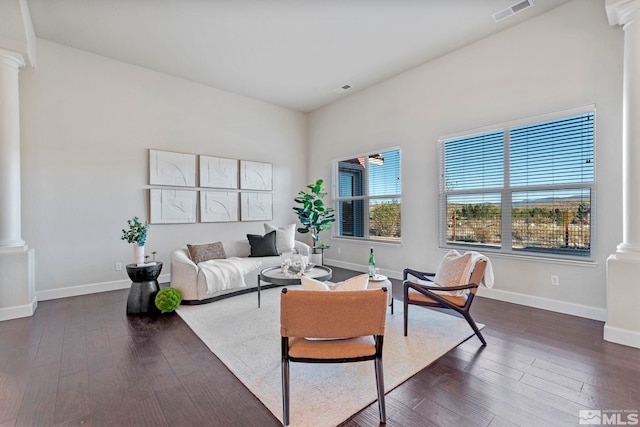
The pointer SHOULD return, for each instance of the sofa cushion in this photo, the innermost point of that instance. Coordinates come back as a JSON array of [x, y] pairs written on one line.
[[356, 283], [263, 245], [285, 236], [206, 251]]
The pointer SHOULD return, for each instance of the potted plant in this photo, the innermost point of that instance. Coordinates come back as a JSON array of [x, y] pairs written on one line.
[[313, 214], [136, 234]]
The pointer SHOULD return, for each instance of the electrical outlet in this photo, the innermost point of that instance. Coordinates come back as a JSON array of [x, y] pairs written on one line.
[[117, 266], [339, 250], [555, 281]]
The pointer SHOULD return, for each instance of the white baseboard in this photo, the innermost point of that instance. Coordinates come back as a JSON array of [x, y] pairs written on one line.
[[93, 288], [621, 336], [564, 307], [17, 312]]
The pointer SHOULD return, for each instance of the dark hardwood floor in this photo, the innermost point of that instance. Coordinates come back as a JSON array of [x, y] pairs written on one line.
[[82, 361]]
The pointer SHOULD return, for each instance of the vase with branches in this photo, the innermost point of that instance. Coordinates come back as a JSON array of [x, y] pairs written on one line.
[[136, 234]]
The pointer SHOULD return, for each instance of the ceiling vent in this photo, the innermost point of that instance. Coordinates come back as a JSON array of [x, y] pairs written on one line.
[[518, 7], [342, 89]]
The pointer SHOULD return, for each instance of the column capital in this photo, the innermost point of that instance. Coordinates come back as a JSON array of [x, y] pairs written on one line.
[[622, 12], [13, 59]]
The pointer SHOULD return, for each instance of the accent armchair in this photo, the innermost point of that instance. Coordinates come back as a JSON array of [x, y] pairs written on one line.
[[332, 327]]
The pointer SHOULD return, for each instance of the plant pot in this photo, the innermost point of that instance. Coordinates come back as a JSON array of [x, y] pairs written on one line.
[[138, 254]]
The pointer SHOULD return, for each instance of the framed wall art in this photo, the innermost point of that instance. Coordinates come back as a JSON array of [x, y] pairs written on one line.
[[218, 206], [174, 169], [255, 175], [169, 206], [218, 172], [256, 206]]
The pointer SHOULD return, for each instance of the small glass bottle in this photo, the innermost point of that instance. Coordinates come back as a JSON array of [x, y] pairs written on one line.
[[372, 264]]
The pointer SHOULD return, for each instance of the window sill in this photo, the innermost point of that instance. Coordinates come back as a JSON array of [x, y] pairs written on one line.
[[590, 263]]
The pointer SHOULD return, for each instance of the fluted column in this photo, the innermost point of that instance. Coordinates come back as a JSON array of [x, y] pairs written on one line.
[[10, 207], [627, 14], [623, 267]]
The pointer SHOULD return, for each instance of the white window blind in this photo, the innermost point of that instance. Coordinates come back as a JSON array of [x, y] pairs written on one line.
[[525, 188]]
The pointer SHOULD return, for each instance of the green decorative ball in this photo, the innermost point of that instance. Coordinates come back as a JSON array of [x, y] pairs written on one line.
[[168, 299]]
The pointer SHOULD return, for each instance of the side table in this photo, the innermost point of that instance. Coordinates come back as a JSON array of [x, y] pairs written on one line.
[[144, 287], [380, 281]]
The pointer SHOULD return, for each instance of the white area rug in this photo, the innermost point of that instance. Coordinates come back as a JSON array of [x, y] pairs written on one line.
[[247, 340]]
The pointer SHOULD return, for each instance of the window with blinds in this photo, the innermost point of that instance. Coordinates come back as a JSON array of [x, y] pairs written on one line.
[[522, 188], [368, 196]]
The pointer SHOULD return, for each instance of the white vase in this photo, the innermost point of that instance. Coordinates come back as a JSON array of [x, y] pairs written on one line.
[[138, 254]]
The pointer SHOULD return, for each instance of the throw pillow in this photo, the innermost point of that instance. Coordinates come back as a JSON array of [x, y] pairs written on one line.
[[285, 236], [454, 270], [206, 251], [356, 283], [263, 245], [311, 284]]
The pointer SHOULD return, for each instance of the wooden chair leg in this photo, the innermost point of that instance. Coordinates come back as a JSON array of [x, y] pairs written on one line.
[[285, 392], [382, 409], [473, 325], [405, 301]]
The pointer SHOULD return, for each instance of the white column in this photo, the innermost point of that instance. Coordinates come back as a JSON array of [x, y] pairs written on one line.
[[623, 267], [10, 208]]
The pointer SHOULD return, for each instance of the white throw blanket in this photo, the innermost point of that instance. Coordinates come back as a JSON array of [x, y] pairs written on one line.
[[223, 274]]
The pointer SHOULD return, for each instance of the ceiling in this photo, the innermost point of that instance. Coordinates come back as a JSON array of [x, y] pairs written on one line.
[[292, 53]]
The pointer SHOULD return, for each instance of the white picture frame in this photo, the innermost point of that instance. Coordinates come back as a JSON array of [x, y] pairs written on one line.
[[219, 206], [172, 169], [170, 206], [256, 175], [218, 172], [256, 206]]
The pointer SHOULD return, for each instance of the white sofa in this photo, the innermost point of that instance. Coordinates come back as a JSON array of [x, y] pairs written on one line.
[[187, 277]]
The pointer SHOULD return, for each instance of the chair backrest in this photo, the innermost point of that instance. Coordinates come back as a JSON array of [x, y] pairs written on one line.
[[318, 314], [477, 274]]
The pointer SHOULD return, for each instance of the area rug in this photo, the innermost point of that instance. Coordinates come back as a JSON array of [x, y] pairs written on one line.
[[247, 340]]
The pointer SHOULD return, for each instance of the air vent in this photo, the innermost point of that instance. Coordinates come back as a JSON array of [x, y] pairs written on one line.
[[343, 88], [518, 7]]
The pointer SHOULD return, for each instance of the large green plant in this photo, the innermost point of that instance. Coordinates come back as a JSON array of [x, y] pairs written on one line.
[[313, 214]]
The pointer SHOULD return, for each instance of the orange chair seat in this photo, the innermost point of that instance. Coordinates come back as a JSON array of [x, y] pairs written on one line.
[[332, 349], [418, 297]]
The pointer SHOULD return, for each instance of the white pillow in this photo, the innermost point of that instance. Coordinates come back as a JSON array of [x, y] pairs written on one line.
[[285, 236], [311, 284], [454, 270], [356, 283]]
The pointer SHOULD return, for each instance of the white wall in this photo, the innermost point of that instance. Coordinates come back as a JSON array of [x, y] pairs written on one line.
[[87, 123], [566, 58]]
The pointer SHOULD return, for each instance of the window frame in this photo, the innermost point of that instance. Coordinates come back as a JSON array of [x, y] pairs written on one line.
[[506, 190], [365, 198]]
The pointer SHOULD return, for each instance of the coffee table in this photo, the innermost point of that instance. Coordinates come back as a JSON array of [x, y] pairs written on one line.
[[275, 276]]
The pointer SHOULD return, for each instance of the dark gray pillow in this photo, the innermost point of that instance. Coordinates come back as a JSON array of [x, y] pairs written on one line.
[[207, 251], [263, 245]]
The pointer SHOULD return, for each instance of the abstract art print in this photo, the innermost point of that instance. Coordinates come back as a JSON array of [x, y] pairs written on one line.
[[256, 206], [173, 206], [218, 172], [175, 169], [255, 175], [218, 206]]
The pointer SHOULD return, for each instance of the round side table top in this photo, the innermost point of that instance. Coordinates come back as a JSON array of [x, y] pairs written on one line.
[[144, 273]]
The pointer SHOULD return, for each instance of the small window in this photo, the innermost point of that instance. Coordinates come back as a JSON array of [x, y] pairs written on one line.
[[521, 189], [368, 196]]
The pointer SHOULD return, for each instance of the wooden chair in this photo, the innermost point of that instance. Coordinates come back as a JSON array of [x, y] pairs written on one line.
[[424, 295], [332, 327]]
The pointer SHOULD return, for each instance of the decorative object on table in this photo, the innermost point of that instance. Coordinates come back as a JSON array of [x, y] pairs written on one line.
[[313, 214], [144, 288], [168, 299], [372, 264], [137, 235]]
